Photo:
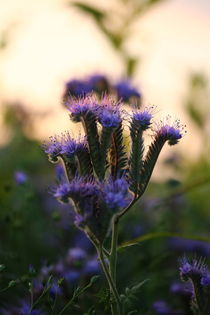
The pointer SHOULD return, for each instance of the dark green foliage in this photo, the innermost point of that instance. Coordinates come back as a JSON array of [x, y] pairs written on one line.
[[149, 163], [91, 131], [135, 161], [94, 12], [118, 154], [70, 167]]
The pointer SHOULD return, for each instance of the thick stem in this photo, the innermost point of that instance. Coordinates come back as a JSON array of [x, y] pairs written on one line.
[[115, 310], [113, 253]]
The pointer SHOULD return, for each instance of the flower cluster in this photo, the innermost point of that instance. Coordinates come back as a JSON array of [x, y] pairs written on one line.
[[102, 177]]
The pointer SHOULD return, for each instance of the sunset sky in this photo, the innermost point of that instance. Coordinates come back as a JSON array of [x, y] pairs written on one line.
[[49, 43]]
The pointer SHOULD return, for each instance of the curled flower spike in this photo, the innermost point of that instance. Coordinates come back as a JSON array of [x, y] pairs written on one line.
[[80, 107], [53, 148], [205, 280], [171, 132]]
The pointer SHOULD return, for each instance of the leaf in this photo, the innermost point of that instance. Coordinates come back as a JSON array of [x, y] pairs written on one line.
[[156, 235], [95, 13], [118, 154], [130, 298]]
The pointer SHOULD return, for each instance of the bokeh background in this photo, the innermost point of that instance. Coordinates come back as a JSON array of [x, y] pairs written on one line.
[[163, 46]]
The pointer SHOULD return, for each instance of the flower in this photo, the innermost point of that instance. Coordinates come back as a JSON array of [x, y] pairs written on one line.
[[170, 132], [62, 192], [190, 269], [53, 148], [143, 119], [80, 107], [77, 88], [109, 118], [205, 280], [20, 177], [116, 193], [125, 91], [71, 146]]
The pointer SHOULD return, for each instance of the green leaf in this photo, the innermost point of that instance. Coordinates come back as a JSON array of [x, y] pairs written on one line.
[[156, 235], [105, 142], [85, 165]]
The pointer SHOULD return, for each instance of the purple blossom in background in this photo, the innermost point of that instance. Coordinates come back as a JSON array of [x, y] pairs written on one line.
[[76, 255], [77, 88], [192, 268], [205, 280], [98, 83], [20, 177], [161, 308], [92, 267], [125, 91]]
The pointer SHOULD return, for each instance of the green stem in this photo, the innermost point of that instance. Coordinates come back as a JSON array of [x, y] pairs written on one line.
[[113, 253], [115, 310]]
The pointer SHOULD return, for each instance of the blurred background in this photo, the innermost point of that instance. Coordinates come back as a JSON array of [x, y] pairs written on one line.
[[163, 48]]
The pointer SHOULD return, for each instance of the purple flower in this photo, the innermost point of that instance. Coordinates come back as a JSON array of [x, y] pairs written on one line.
[[161, 308], [59, 172], [72, 277], [20, 177], [98, 83], [205, 280], [53, 148], [143, 119], [70, 146], [55, 290], [75, 255], [63, 192], [190, 269], [77, 88], [116, 193], [80, 107], [125, 91], [92, 267], [109, 118], [171, 132]]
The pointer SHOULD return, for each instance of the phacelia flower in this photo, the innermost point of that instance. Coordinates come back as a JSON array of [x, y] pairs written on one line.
[[171, 132], [190, 269], [205, 280], [125, 91], [53, 148], [62, 192], [109, 118], [143, 119], [98, 83], [80, 107], [20, 177], [71, 146], [77, 88], [116, 193]]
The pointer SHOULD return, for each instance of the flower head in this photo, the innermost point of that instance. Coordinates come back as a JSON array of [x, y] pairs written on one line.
[[125, 91], [77, 88], [109, 114], [53, 148], [171, 132], [80, 107], [71, 146], [116, 193], [189, 269], [143, 118], [205, 280], [20, 177]]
